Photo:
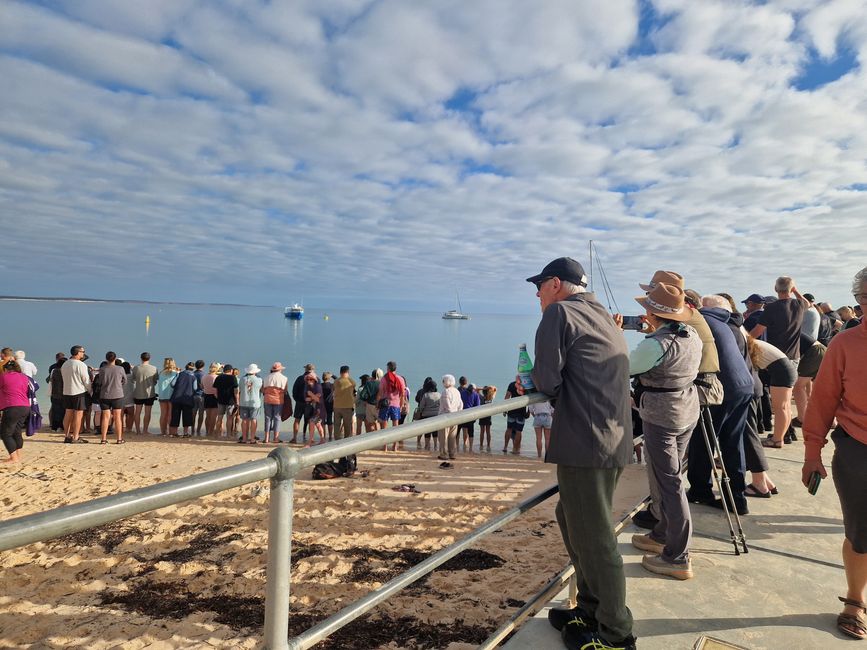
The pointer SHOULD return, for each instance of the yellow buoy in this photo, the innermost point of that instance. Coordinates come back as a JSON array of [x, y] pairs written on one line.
[[325, 317]]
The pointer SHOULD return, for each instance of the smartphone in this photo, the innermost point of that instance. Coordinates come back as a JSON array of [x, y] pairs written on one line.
[[813, 485], [633, 323]]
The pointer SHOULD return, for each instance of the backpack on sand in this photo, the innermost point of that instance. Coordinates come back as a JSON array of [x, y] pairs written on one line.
[[337, 468]]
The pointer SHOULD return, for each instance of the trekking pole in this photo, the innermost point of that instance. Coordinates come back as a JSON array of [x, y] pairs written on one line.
[[726, 483], [716, 477]]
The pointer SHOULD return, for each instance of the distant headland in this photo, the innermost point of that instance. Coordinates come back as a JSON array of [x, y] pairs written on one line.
[[131, 302]]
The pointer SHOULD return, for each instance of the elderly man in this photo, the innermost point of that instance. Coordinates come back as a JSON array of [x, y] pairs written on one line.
[[755, 304], [840, 395], [782, 320], [582, 361]]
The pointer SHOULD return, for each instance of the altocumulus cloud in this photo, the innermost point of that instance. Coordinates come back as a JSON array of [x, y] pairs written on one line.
[[253, 151]]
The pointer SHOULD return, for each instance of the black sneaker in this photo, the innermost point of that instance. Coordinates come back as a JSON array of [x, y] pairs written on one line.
[[645, 519], [560, 617], [575, 638], [742, 508], [695, 497]]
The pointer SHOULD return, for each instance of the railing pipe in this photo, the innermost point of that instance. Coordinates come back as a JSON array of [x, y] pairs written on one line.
[[349, 613], [88, 514], [279, 550]]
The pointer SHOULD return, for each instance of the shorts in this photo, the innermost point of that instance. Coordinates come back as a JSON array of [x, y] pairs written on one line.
[[147, 401], [542, 420], [75, 402], [515, 423], [249, 412], [225, 409], [211, 402], [111, 404], [781, 374], [847, 470], [329, 416], [298, 412], [812, 358], [198, 403], [370, 413], [469, 427], [389, 413], [485, 422]]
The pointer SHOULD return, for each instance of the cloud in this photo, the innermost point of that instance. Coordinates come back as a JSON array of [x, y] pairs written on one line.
[[233, 151]]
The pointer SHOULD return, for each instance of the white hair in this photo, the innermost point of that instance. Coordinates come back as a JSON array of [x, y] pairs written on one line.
[[19, 354], [448, 380], [859, 281], [377, 374], [571, 288], [715, 300], [784, 284]]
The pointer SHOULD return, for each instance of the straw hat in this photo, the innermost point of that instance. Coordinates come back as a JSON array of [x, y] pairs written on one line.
[[664, 277], [276, 366], [665, 301], [252, 369]]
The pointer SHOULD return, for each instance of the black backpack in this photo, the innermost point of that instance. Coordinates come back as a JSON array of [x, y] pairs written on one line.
[[337, 468]]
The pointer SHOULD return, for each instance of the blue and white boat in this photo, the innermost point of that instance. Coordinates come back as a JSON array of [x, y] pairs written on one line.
[[295, 312]]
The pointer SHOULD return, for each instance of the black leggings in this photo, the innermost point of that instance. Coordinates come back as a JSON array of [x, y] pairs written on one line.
[[13, 423]]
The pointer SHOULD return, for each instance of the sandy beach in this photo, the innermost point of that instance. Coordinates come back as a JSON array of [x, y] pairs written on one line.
[[193, 575]]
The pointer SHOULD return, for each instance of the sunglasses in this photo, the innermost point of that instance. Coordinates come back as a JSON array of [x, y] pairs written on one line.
[[539, 283]]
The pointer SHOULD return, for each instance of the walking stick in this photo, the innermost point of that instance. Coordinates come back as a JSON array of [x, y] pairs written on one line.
[[707, 423]]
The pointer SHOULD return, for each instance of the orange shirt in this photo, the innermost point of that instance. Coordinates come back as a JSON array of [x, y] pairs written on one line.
[[839, 390]]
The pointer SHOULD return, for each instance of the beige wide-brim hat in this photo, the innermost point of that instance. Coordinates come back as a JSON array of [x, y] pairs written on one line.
[[664, 277], [666, 301], [252, 369], [276, 366]]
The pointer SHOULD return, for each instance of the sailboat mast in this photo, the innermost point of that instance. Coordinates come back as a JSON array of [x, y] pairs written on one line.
[[591, 264]]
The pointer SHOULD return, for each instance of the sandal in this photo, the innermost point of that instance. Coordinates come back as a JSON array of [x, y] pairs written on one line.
[[752, 491], [120, 442], [772, 444], [103, 442], [852, 625]]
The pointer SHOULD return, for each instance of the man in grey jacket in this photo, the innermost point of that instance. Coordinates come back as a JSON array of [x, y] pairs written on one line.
[[582, 361]]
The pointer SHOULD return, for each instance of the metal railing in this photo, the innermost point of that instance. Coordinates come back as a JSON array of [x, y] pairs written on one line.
[[281, 466]]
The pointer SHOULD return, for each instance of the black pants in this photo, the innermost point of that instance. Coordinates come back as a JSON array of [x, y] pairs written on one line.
[[13, 423], [754, 453], [56, 413], [729, 421], [765, 412]]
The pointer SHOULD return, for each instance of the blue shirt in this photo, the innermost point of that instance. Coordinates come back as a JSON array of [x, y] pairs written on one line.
[[250, 391]]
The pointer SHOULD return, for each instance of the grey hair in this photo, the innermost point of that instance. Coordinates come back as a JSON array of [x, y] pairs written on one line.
[[19, 354], [571, 288], [377, 374], [784, 283], [859, 281], [715, 300], [448, 380]]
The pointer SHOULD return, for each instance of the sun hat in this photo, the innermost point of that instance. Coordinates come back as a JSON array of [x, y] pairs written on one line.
[[754, 297], [252, 369], [564, 268], [276, 366], [664, 277], [666, 301]]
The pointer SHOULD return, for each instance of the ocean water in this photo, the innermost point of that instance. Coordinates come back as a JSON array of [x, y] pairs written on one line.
[[484, 348]]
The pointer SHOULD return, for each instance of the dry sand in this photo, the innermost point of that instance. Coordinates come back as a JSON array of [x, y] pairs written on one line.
[[193, 575]]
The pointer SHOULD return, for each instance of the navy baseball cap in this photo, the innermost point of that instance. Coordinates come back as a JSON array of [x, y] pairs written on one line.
[[754, 298], [564, 268]]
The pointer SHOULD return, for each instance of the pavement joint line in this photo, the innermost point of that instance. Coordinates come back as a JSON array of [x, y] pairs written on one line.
[[787, 460], [774, 551]]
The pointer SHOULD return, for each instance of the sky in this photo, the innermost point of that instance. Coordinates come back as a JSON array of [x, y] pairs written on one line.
[[386, 154]]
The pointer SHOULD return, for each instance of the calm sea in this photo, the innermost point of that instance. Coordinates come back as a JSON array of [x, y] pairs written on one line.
[[484, 348]]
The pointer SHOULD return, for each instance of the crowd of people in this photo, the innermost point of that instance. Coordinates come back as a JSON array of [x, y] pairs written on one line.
[[223, 401], [701, 361]]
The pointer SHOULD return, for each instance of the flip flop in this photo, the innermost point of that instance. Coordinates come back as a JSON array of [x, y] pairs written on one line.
[[446, 465], [752, 491]]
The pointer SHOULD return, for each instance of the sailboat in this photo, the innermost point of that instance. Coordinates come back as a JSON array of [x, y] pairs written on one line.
[[456, 314]]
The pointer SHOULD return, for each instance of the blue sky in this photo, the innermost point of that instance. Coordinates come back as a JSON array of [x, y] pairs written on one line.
[[356, 153]]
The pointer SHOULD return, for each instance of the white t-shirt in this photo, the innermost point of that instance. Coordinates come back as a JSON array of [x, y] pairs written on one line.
[[76, 378], [27, 368], [768, 354]]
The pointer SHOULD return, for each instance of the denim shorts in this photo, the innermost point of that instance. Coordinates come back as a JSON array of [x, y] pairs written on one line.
[[389, 413], [249, 412], [515, 424], [542, 420]]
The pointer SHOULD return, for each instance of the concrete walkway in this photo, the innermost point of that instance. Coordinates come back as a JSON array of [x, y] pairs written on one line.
[[782, 594]]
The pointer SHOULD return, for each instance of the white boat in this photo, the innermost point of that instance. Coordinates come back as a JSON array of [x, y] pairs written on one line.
[[295, 312], [456, 314]]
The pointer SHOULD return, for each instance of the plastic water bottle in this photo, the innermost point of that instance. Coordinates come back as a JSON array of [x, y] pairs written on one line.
[[525, 367]]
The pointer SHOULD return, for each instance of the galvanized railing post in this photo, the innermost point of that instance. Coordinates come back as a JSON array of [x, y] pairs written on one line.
[[279, 549]]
